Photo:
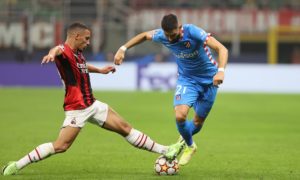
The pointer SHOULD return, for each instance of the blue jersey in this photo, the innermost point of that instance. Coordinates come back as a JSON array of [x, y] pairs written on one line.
[[194, 59]]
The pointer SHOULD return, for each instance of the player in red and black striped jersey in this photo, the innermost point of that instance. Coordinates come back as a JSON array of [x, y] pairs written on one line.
[[73, 70], [80, 105]]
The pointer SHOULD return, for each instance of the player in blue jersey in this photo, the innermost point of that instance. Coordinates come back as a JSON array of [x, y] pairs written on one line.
[[199, 75]]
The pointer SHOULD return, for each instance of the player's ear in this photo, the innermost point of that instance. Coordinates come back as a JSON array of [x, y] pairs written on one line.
[[76, 35]]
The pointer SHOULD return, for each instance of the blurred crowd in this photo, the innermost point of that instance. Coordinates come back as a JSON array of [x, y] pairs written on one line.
[[113, 14], [232, 4], [40, 8], [50, 6]]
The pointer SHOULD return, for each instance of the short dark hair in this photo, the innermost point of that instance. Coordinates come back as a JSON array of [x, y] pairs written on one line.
[[169, 22], [76, 26]]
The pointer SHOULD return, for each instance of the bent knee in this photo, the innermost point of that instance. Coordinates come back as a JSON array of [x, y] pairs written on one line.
[[180, 116], [125, 128], [60, 148]]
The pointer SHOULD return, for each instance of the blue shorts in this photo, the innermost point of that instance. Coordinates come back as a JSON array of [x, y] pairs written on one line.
[[200, 97]]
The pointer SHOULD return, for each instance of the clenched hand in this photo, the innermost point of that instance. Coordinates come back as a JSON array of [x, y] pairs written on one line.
[[118, 59], [218, 78]]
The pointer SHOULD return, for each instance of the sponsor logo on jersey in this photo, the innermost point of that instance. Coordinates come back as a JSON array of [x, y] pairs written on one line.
[[82, 68], [182, 55], [187, 44]]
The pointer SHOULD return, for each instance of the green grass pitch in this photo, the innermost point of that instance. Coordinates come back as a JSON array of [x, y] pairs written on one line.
[[246, 136]]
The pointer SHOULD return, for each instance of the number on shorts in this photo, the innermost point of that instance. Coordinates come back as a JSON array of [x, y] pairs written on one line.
[[179, 88]]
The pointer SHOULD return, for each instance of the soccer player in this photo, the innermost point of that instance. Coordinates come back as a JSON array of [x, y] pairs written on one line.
[[199, 75], [80, 105]]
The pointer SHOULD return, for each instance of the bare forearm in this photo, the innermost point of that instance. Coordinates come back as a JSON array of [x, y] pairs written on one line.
[[103, 70], [222, 61], [93, 69], [223, 57], [118, 59], [136, 40]]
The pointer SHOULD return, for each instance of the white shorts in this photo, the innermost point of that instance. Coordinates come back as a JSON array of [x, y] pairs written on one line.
[[96, 114]]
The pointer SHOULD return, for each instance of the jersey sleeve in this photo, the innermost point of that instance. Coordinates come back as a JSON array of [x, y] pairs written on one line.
[[198, 33], [157, 34]]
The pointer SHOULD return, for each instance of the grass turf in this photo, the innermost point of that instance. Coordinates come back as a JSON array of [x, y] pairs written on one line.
[[246, 136]]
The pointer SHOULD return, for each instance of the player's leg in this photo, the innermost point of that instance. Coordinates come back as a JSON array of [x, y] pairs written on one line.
[[196, 124], [181, 113], [185, 96], [116, 123], [202, 108], [137, 138], [109, 119], [73, 122], [194, 127], [66, 137]]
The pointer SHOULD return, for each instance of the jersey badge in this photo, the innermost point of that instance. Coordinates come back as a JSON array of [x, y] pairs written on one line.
[[73, 121], [178, 97], [187, 44]]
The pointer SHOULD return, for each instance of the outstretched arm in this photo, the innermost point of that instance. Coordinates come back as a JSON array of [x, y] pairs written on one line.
[[50, 57], [132, 42], [222, 59], [104, 70]]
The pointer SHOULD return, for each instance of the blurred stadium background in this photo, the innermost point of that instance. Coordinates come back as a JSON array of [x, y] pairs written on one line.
[[257, 34]]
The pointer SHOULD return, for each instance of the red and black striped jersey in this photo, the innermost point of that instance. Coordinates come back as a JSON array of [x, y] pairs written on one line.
[[74, 73]]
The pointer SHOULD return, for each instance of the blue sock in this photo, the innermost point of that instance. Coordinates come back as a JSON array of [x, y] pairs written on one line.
[[185, 132], [194, 129]]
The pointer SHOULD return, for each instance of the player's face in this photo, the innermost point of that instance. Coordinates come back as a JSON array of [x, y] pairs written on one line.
[[83, 39], [174, 35]]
